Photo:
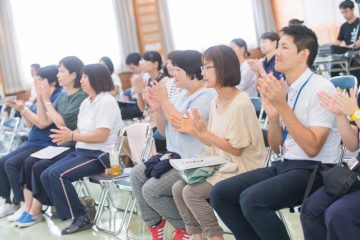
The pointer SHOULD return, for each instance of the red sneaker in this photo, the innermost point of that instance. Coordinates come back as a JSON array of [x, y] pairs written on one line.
[[181, 234], [158, 231]]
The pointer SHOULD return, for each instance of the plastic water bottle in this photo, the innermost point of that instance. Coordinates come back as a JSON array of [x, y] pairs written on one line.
[[114, 162]]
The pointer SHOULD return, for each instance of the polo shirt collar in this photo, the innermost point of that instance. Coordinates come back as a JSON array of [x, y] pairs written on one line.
[[301, 80]]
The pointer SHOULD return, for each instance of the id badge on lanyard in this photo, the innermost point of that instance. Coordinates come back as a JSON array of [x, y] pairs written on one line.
[[282, 148]]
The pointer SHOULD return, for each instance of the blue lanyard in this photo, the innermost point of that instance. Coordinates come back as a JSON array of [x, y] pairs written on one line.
[[296, 100]]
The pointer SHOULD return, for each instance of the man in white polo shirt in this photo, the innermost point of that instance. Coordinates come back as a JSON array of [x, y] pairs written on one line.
[[299, 128]]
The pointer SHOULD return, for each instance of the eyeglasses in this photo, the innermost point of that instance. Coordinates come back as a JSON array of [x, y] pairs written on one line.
[[142, 61], [205, 68]]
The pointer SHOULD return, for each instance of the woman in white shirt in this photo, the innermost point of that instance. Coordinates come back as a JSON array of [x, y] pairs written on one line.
[[99, 121], [248, 76]]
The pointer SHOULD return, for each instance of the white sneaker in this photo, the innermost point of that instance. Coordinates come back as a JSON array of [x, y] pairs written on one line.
[[7, 209], [16, 215]]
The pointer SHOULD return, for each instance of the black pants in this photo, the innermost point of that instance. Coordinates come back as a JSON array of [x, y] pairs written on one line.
[[31, 172], [10, 170], [247, 203]]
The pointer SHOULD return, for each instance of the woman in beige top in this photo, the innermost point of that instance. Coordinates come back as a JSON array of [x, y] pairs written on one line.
[[233, 133]]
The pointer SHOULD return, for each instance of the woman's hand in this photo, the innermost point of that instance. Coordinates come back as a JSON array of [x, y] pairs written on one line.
[[46, 90], [150, 98], [139, 84], [183, 125], [16, 104], [328, 102], [159, 92], [345, 103], [61, 135], [199, 123], [38, 88]]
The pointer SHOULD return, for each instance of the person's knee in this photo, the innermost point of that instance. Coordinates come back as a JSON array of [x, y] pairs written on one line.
[[189, 194], [177, 190], [151, 192], [9, 165], [135, 173], [334, 215], [217, 195], [249, 202]]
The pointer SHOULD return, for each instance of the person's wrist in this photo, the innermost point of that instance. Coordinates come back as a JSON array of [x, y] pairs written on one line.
[[72, 136], [23, 110]]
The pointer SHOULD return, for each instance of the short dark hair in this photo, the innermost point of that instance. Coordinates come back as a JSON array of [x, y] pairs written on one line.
[[295, 21], [99, 77], [109, 64], [304, 38], [50, 73], [346, 4], [171, 56], [272, 36], [226, 64], [35, 66], [74, 65], [153, 56], [242, 44], [133, 58], [190, 62]]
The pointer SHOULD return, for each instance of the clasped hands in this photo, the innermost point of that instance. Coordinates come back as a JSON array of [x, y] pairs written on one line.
[[192, 123], [273, 93], [62, 135]]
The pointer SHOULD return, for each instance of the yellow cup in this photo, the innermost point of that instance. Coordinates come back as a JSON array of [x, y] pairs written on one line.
[[115, 170]]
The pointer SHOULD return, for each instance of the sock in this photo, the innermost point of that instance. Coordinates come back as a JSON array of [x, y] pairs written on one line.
[[157, 224]]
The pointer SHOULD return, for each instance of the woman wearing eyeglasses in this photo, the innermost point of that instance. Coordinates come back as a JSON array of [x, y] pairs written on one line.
[[153, 195], [233, 132]]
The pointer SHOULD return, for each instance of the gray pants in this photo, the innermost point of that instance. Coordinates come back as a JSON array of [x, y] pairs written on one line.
[[193, 205], [154, 197]]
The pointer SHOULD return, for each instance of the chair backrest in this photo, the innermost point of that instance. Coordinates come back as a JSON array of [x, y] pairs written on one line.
[[140, 140], [345, 82], [256, 101], [9, 127]]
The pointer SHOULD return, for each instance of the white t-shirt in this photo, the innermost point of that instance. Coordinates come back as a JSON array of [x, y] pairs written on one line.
[[102, 112], [310, 113], [248, 80]]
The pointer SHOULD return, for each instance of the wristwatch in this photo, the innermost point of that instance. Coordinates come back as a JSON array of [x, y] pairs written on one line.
[[355, 116]]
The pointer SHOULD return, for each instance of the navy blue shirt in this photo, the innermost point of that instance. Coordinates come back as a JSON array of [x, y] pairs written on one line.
[[269, 66], [40, 137]]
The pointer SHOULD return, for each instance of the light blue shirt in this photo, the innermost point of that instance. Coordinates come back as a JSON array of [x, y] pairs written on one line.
[[185, 144]]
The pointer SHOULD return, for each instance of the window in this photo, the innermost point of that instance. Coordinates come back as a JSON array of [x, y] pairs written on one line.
[[47, 31], [203, 23]]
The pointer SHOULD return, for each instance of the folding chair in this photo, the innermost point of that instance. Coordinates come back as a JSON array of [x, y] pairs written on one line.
[[8, 129], [256, 101], [141, 146], [345, 82]]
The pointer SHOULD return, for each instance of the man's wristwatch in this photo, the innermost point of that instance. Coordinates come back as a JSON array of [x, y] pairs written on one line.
[[355, 116]]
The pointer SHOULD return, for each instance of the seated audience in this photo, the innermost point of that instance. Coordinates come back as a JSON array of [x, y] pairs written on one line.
[[240, 140], [106, 61], [322, 215], [300, 129], [38, 138], [153, 195], [63, 113], [268, 44], [99, 122], [248, 76]]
